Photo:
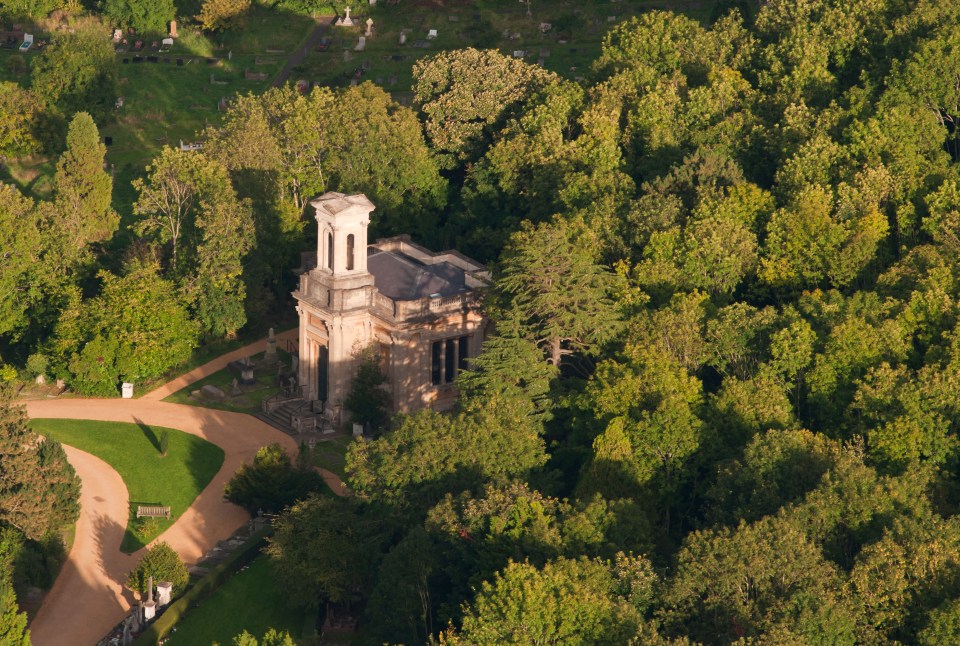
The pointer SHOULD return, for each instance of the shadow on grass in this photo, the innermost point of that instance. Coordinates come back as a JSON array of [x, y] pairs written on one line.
[[149, 434]]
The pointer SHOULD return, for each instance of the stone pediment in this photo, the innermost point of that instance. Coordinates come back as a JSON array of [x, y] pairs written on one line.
[[335, 204]]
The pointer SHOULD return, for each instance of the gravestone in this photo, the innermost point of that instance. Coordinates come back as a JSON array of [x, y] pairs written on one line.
[[369, 31], [235, 388], [346, 20], [403, 38], [271, 353], [41, 380], [212, 392], [127, 390], [246, 377], [173, 29], [358, 430], [347, 56], [164, 593], [361, 44], [432, 34]]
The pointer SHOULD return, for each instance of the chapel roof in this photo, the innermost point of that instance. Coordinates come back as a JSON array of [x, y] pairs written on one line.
[[402, 277]]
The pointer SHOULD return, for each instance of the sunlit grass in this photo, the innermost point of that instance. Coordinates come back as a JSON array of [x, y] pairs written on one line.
[[132, 450]]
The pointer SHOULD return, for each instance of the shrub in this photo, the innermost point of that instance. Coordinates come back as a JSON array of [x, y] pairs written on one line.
[[271, 482], [163, 564], [37, 364]]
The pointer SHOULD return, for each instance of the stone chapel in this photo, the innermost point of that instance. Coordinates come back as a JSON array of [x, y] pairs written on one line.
[[418, 309]]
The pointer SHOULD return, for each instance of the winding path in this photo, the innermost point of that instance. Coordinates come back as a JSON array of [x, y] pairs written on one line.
[[88, 597]]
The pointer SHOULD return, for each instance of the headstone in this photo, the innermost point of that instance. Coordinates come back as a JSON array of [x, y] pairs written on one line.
[[369, 31], [127, 390], [164, 593], [212, 392], [403, 38], [235, 388], [347, 56], [61, 384], [358, 430], [361, 44], [117, 35], [346, 20], [373, 3], [271, 354], [173, 29], [41, 380], [246, 377], [432, 34]]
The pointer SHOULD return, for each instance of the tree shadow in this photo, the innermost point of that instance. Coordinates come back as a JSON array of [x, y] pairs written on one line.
[[148, 433]]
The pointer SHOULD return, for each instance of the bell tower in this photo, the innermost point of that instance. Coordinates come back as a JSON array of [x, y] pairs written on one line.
[[342, 222]]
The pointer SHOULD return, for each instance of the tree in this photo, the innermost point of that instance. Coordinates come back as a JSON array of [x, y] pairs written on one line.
[[368, 403], [78, 71], [218, 15], [524, 605], [39, 491], [326, 549], [271, 483], [13, 623], [35, 9], [468, 94], [83, 188], [19, 113], [163, 564], [272, 637], [745, 581], [134, 330], [561, 296], [146, 16], [21, 244]]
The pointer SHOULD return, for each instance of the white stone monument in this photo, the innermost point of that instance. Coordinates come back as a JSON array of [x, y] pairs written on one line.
[[127, 390], [358, 430], [361, 44], [369, 31], [403, 38], [346, 20], [150, 607], [164, 593]]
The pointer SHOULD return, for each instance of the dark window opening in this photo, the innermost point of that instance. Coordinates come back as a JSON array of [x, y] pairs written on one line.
[[451, 361], [323, 365], [329, 251], [349, 252], [436, 362], [463, 353]]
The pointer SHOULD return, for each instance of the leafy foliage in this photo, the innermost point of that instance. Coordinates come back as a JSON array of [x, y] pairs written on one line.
[[270, 483], [163, 564]]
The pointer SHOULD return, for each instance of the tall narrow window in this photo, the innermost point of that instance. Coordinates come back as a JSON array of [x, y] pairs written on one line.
[[329, 251], [323, 366], [436, 362], [451, 360], [349, 252], [463, 353]]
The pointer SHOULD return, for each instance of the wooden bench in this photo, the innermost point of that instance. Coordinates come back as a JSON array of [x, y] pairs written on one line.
[[153, 511]]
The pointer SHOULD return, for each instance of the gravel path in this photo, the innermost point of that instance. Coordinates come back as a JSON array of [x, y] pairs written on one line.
[[87, 599]]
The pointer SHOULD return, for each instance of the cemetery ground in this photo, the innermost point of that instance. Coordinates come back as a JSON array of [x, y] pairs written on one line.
[[250, 397], [568, 47], [133, 451], [250, 600]]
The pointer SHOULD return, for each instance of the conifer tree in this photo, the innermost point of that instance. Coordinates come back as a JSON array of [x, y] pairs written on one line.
[[83, 188]]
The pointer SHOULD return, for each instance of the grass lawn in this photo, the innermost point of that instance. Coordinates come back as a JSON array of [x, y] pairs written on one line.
[[247, 402], [250, 601], [131, 449], [332, 454]]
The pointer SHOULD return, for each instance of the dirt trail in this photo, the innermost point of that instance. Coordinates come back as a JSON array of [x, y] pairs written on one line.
[[87, 599]]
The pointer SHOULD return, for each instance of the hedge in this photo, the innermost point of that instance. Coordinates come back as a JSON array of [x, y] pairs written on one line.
[[202, 589]]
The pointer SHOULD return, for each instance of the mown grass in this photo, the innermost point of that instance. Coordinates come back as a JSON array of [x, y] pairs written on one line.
[[132, 450], [250, 601]]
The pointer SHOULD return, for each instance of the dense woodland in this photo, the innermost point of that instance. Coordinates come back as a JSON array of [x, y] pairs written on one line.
[[720, 402]]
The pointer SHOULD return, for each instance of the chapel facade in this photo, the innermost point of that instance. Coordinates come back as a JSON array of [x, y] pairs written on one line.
[[419, 310]]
